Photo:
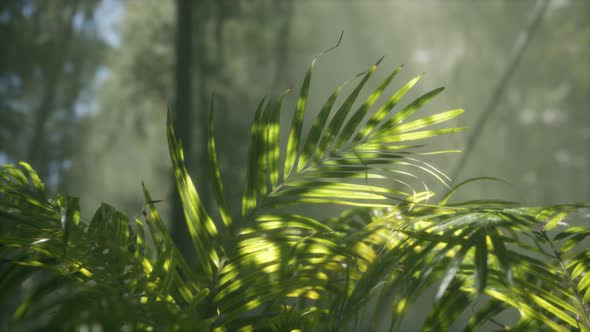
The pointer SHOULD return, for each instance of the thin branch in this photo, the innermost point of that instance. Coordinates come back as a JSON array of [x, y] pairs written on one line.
[[520, 45]]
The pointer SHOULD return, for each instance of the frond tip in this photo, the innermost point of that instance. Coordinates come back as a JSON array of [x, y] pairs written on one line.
[[352, 145]]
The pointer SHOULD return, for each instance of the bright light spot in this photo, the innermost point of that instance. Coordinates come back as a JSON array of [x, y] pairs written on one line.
[[322, 276], [66, 164], [167, 265], [90, 328], [422, 56], [563, 157], [28, 10], [559, 3], [85, 272], [530, 177], [39, 241], [527, 117], [401, 305], [551, 116], [108, 17], [266, 251]]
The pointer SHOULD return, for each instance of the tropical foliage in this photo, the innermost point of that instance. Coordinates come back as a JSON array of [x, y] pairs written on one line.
[[269, 267]]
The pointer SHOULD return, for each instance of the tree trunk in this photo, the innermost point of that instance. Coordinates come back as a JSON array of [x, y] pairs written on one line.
[[182, 116], [36, 153], [285, 10]]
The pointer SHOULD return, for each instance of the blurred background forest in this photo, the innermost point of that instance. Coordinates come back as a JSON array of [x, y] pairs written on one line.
[[84, 85]]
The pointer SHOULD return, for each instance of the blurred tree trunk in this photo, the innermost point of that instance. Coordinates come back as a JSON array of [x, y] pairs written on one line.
[[182, 116], [36, 153], [284, 9], [206, 69], [207, 66]]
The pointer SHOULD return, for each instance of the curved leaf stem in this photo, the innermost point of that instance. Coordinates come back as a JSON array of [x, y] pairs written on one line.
[[569, 279]]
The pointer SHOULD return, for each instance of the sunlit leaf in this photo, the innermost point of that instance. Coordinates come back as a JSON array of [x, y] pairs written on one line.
[[380, 115], [355, 120], [69, 216], [250, 182], [214, 169], [201, 228]]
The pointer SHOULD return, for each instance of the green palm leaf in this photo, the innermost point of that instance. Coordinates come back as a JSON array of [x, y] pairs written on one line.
[[202, 230], [214, 169], [271, 268]]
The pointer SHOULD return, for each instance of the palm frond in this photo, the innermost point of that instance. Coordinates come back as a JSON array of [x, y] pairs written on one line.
[[272, 269]]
